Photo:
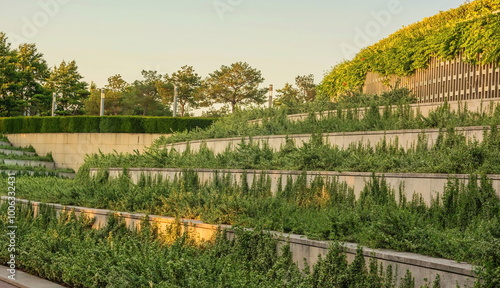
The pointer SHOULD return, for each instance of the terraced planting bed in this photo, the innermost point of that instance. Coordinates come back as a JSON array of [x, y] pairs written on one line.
[[459, 223]]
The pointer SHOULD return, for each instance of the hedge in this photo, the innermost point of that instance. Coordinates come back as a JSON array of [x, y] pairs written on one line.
[[104, 124]]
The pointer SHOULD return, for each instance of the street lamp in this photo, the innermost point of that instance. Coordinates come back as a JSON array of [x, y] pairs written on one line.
[[53, 104], [102, 103], [270, 95], [175, 101]]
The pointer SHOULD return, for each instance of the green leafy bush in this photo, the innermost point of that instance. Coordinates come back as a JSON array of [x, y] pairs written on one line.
[[458, 225], [66, 249], [275, 122], [451, 153], [470, 29]]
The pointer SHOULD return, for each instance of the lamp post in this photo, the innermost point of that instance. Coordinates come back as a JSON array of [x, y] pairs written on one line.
[[270, 96], [102, 103], [53, 104], [175, 101]]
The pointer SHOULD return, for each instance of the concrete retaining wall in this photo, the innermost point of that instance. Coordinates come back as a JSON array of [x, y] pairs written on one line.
[[421, 267], [69, 149], [29, 172], [32, 163], [426, 185], [476, 105], [16, 152], [405, 138]]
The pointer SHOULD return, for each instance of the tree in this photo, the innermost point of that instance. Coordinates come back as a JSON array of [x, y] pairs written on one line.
[[114, 92], [307, 87], [147, 97], [92, 104], [188, 85], [32, 71], [9, 105], [71, 92], [237, 84], [22, 74], [287, 96]]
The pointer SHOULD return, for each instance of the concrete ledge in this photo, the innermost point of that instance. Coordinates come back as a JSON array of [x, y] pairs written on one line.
[[427, 185], [25, 280], [473, 105], [404, 138], [69, 149], [29, 172], [3, 143], [16, 152], [422, 267], [32, 163]]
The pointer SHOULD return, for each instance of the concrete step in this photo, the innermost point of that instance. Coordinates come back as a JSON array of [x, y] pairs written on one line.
[[24, 280], [32, 163], [16, 152]]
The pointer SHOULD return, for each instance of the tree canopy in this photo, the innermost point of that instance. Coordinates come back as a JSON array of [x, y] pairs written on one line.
[[235, 85]]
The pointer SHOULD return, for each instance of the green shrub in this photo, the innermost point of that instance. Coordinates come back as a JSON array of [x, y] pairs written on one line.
[[104, 124]]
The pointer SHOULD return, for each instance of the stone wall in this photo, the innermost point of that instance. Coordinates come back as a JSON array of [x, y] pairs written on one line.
[[69, 149]]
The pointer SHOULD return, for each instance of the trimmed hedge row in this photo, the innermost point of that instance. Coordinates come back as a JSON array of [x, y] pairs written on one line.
[[103, 124]]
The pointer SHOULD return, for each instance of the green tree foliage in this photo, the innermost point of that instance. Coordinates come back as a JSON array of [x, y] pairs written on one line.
[[188, 88], [114, 92], [147, 97], [235, 85], [32, 72], [287, 96], [471, 29], [23, 72], [66, 82], [307, 88], [9, 104]]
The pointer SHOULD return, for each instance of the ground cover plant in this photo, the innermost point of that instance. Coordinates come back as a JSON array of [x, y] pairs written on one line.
[[462, 224], [275, 122], [451, 153], [67, 250], [38, 170]]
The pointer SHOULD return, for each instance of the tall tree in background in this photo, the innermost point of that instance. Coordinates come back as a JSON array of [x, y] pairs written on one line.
[[32, 71], [306, 87], [287, 96], [92, 105], [9, 105], [23, 72], [147, 97], [114, 92], [237, 84], [188, 85], [71, 92]]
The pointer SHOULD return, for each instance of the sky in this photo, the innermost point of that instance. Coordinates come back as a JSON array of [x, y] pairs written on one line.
[[282, 39]]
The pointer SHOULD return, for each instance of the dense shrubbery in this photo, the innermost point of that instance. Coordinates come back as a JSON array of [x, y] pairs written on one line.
[[67, 250], [275, 122], [104, 124], [462, 224], [470, 29], [452, 153]]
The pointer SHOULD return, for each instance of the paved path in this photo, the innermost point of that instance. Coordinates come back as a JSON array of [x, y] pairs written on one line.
[[24, 280], [6, 285]]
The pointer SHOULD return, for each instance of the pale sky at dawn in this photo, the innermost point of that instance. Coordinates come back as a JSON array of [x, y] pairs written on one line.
[[283, 39]]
